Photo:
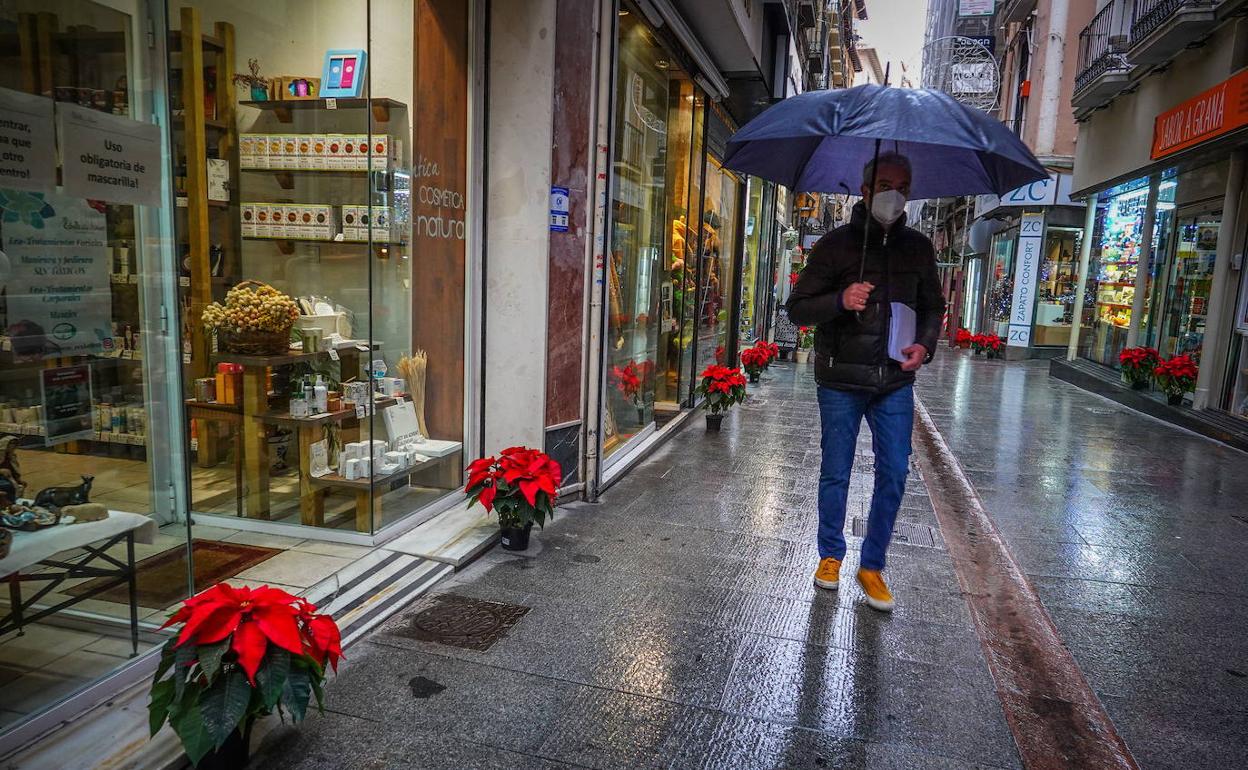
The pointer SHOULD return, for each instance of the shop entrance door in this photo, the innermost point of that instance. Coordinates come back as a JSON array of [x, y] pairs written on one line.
[[1189, 275]]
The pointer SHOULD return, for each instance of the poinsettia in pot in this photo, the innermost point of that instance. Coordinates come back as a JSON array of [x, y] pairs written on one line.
[[241, 653], [994, 346], [962, 338], [721, 389], [805, 343], [771, 349], [628, 382], [1176, 376], [754, 360], [520, 485], [1137, 366]]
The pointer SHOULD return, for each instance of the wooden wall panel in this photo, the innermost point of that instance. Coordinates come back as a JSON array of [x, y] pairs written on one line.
[[440, 156]]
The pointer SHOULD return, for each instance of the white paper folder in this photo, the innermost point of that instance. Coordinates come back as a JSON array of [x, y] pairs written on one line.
[[900, 330]]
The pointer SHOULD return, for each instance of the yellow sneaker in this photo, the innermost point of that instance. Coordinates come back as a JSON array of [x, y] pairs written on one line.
[[873, 585], [829, 573]]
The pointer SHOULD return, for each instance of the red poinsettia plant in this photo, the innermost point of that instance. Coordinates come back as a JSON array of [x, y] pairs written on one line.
[[722, 387], [771, 349], [962, 338], [627, 380], [754, 360], [987, 343], [241, 653], [805, 337], [1177, 375], [1138, 364], [520, 485]]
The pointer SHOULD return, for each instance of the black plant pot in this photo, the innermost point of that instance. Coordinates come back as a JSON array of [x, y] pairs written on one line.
[[1175, 400], [516, 538], [1139, 384], [754, 377], [714, 421], [232, 755]]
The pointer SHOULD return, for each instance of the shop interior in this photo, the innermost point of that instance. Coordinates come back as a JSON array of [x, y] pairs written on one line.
[[300, 440]]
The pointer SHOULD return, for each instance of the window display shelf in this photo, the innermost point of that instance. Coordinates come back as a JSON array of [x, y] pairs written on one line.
[[365, 485], [286, 420], [284, 109], [1113, 304], [179, 123], [287, 245]]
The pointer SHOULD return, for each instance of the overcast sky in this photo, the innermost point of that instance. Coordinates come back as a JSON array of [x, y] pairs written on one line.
[[895, 29]]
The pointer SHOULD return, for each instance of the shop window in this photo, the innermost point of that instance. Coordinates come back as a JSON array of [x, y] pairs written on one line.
[[1059, 273], [85, 371], [716, 276], [345, 148], [1189, 277]]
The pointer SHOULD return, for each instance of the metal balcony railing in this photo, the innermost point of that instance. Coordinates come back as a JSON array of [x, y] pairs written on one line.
[[1100, 49], [1149, 15]]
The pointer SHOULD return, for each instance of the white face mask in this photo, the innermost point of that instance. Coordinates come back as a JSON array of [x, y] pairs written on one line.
[[888, 206]]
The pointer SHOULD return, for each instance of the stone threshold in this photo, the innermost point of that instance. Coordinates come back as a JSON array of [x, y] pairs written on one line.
[[1104, 381]]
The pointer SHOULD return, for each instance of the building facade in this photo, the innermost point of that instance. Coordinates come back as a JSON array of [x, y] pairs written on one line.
[[472, 260]]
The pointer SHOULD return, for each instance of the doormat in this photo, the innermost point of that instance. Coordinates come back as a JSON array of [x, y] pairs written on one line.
[[162, 577], [460, 621]]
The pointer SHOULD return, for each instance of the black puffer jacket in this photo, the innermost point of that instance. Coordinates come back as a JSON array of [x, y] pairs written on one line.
[[851, 349]]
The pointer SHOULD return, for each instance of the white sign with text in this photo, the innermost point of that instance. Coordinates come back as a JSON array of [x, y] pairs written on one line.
[[109, 158], [1026, 274], [60, 300], [27, 142]]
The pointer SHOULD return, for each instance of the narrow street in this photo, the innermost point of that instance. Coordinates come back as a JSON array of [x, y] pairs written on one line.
[[674, 624]]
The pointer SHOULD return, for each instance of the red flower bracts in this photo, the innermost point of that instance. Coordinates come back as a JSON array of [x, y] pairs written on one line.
[[520, 485], [986, 343], [772, 350], [754, 360], [1177, 375], [241, 654], [1138, 364], [962, 338], [722, 387], [627, 379]]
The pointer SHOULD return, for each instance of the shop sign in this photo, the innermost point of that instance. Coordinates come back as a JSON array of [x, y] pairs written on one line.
[[1054, 191], [67, 406], [57, 283], [1210, 114], [1026, 275], [27, 151], [110, 158], [976, 7]]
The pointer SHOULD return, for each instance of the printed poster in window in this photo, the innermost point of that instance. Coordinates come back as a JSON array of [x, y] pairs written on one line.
[[55, 275], [67, 406]]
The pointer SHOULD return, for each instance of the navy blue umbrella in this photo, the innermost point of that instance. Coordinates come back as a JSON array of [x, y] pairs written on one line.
[[820, 141]]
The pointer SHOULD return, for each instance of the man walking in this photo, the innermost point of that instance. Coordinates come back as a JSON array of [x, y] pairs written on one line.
[[855, 375]]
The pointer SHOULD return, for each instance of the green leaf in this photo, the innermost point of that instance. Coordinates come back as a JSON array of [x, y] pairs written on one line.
[[224, 704], [158, 706], [189, 725], [183, 657], [320, 694], [271, 678], [210, 657], [297, 692], [166, 659]]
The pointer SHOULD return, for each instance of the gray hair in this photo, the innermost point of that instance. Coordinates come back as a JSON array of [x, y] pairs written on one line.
[[895, 159]]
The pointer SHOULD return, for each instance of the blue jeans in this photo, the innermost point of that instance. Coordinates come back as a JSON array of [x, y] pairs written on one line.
[[891, 417]]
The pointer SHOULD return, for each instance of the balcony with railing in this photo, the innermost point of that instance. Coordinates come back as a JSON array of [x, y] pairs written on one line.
[[1160, 29], [1103, 69]]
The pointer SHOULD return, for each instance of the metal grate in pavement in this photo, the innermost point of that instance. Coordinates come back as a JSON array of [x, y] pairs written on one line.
[[904, 532], [460, 621]]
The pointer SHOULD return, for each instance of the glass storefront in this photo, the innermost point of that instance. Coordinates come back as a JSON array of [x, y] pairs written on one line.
[[1059, 273], [674, 233], [234, 280], [1184, 286], [756, 270]]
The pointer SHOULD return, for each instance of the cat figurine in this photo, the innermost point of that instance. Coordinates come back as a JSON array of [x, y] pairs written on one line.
[[59, 497]]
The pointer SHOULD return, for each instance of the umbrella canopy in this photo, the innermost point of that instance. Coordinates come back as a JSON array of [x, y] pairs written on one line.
[[820, 141]]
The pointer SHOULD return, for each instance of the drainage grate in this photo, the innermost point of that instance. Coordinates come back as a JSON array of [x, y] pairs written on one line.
[[460, 621], [904, 532]]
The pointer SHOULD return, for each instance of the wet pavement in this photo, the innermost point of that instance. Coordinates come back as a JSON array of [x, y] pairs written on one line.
[[674, 624]]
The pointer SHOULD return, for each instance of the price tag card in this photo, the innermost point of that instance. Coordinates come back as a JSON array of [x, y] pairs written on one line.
[[331, 103], [333, 354]]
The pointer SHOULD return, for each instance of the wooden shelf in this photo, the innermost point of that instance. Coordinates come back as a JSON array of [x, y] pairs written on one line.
[[364, 485], [285, 419], [182, 202], [283, 359], [286, 176], [284, 110], [287, 245]]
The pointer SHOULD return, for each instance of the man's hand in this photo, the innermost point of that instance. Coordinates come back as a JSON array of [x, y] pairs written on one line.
[[855, 296], [915, 355]]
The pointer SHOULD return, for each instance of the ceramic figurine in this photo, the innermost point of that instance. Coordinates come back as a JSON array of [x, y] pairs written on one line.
[[58, 497], [10, 470]]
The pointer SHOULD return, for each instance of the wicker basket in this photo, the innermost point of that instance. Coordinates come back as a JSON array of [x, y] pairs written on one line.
[[6, 541], [254, 342]]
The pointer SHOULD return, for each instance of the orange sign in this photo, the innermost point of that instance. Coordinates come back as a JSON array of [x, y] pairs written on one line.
[[1215, 112]]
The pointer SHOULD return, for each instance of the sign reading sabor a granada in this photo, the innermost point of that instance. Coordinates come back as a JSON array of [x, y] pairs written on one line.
[[1210, 114]]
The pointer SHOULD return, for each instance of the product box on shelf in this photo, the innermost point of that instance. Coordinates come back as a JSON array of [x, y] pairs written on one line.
[[247, 219], [335, 151], [247, 150], [303, 152], [381, 230], [380, 152], [290, 151], [323, 223], [273, 153], [320, 152], [351, 217]]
